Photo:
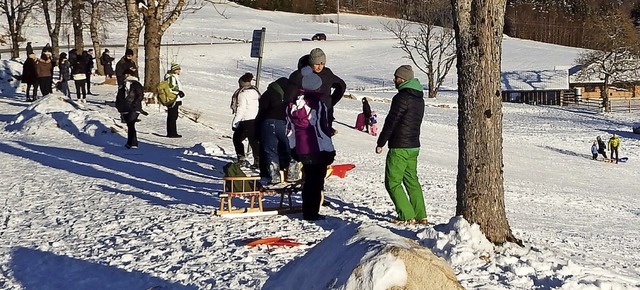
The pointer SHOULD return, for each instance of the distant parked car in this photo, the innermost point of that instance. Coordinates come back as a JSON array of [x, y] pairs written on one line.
[[319, 36]]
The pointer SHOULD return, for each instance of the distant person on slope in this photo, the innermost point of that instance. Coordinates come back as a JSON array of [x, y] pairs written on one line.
[[402, 130], [614, 144], [30, 77], [594, 150], [602, 147], [366, 111], [173, 78]]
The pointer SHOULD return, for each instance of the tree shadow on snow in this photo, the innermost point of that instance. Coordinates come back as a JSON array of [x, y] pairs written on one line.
[[38, 270], [136, 171]]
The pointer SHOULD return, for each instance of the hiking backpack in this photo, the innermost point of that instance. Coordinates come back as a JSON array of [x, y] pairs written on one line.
[[165, 95]]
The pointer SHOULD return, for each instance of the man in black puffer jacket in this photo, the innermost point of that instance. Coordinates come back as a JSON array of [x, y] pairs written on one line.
[[402, 131], [317, 61]]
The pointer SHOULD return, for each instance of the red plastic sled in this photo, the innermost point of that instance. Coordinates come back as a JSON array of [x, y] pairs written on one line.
[[360, 122], [340, 170]]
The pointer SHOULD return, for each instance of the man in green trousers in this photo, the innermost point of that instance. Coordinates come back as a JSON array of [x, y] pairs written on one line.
[[402, 131]]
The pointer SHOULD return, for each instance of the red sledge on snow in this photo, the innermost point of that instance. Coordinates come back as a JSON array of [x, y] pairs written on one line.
[[360, 122], [339, 170]]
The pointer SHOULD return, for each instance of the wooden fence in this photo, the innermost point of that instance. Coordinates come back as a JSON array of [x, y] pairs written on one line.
[[617, 105]]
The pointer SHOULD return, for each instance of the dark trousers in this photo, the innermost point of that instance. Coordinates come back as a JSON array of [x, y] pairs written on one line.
[[64, 88], [172, 118], [45, 85], [80, 89], [595, 156], [614, 151], [312, 190], [88, 83], [275, 145], [35, 91], [132, 136], [603, 152], [246, 130]]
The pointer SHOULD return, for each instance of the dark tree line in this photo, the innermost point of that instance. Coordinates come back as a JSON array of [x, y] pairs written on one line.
[[564, 22]]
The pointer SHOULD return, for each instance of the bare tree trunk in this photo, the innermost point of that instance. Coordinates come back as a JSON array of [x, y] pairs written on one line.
[[95, 38], [152, 38], [480, 192], [17, 12], [158, 17], [54, 28], [76, 19], [134, 26], [605, 94]]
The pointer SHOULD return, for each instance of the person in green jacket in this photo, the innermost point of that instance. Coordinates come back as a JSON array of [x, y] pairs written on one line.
[[402, 131], [614, 144]]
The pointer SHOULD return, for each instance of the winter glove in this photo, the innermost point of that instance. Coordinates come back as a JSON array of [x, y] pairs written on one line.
[[181, 94]]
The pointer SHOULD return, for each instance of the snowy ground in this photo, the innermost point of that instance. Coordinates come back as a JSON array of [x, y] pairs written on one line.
[[79, 211]]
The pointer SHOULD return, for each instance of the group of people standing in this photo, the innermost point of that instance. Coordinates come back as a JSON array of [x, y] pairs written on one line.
[[292, 121], [599, 147], [37, 72]]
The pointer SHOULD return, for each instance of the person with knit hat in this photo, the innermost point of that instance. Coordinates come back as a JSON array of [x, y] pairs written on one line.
[[129, 104], [401, 131], [310, 140], [124, 63], [244, 123], [173, 78], [317, 62]]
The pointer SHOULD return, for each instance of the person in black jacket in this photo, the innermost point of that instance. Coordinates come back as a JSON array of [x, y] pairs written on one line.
[[402, 131], [129, 104], [88, 57], [65, 75], [78, 73], [107, 62], [317, 61], [366, 111], [30, 77], [272, 124], [124, 63]]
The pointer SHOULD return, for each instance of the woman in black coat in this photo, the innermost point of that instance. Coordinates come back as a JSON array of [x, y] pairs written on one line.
[[107, 62], [30, 77]]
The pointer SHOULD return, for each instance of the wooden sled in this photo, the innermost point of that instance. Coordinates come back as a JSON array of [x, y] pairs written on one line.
[[250, 188]]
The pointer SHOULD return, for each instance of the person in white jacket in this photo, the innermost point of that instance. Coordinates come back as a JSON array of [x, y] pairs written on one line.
[[243, 124]]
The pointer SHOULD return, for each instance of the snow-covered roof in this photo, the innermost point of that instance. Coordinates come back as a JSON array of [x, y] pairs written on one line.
[[534, 80]]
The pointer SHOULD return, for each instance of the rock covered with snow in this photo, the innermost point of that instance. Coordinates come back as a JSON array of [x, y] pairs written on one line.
[[365, 257]]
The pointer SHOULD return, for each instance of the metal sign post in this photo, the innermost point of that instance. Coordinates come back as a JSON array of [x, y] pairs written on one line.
[[257, 46]]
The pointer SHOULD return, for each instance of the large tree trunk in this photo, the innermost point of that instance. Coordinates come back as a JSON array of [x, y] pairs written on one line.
[[95, 38], [606, 105], [152, 38], [54, 28], [134, 26], [480, 191], [76, 19]]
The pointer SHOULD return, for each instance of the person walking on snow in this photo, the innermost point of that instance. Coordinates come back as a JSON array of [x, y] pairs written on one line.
[[65, 74], [107, 62], [172, 77], [366, 111], [614, 144], [30, 77], [402, 131], [244, 123], [594, 150]]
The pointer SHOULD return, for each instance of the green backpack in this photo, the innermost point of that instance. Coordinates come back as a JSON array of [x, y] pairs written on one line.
[[232, 169], [165, 95]]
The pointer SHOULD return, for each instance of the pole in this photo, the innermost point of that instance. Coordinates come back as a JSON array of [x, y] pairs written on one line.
[[338, 16], [264, 30]]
